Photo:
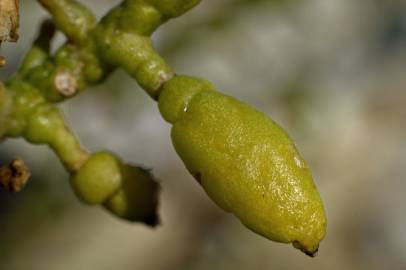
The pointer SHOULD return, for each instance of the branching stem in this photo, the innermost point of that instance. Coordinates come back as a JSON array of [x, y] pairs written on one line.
[[92, 51]]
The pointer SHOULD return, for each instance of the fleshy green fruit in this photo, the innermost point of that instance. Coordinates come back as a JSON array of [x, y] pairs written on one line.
[[246, 163], [98, 179], [137, 198], [128, 192]]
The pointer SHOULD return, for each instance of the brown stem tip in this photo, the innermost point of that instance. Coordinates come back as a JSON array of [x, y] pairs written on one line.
[[309, 252], [14, 176]]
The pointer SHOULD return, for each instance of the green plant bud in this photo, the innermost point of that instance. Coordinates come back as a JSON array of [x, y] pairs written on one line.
[[98, 179], [137, 198], [245, 162]]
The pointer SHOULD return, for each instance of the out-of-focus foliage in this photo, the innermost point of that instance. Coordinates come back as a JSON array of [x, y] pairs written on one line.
[[330, 71]]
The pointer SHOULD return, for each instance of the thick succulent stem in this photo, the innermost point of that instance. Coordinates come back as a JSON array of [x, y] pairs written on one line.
[[93, 51], [30, 116], [72, 18], [39, 52]]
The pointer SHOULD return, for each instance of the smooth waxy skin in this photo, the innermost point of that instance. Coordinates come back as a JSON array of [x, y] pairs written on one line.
[[246, 163]]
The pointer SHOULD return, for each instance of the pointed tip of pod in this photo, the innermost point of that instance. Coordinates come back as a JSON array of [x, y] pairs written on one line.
[[153, 220], [311, 252]]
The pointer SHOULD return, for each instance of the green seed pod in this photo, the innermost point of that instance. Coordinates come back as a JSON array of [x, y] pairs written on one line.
[[246, 163], [98, 179], [126, 191], [137, 199]]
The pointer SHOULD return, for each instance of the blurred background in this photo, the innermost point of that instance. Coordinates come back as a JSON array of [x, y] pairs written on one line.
[[331, 72]]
